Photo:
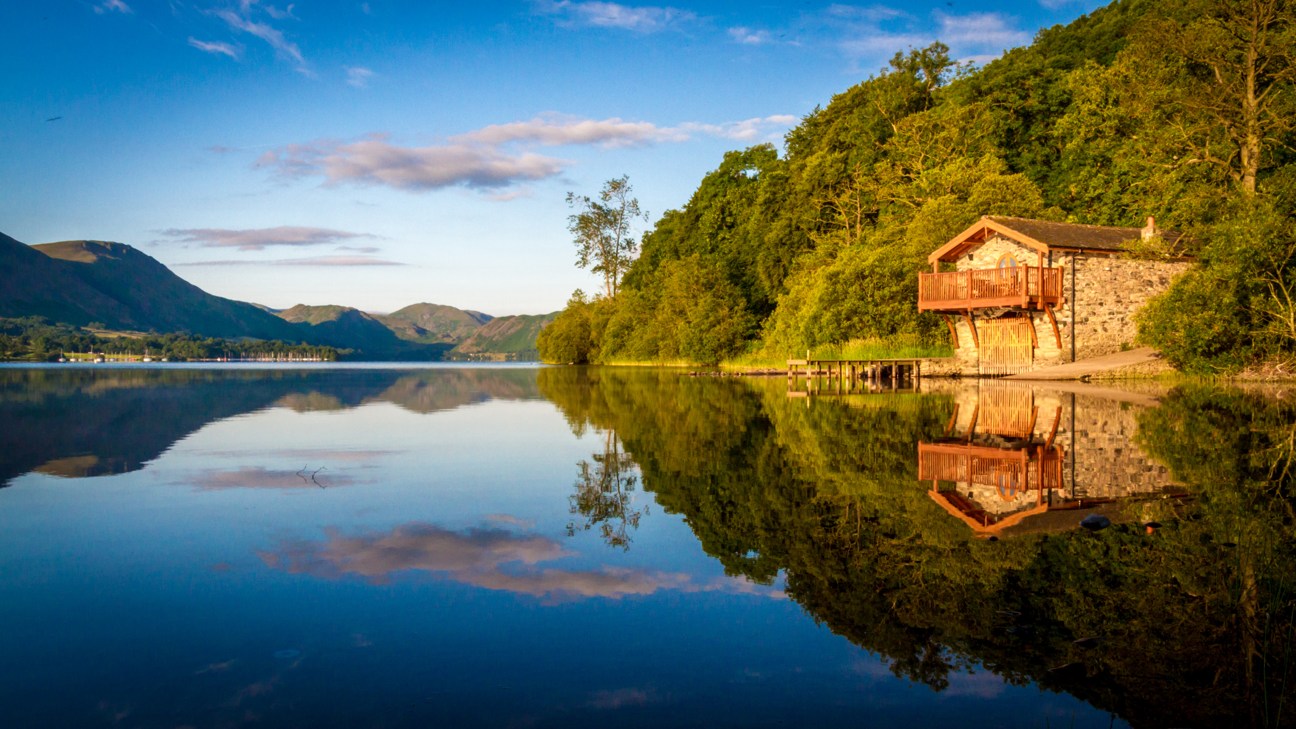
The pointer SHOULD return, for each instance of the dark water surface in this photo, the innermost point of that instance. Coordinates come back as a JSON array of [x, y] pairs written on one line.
[[534, 547]]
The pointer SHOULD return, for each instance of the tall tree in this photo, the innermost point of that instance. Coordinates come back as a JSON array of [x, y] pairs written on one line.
[[1235, 63], [602, 230]]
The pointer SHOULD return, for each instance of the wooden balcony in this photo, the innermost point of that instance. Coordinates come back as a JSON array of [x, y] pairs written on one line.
[[1026, 287], [1033, 468]]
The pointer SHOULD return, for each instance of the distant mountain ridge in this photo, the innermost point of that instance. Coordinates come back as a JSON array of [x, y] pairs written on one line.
[[113, 284]]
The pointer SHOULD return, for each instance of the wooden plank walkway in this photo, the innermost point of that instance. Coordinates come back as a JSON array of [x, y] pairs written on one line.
[[842, 375]]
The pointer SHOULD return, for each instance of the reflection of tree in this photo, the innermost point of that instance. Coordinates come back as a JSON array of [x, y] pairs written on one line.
[[1191, 625], [605, 495]]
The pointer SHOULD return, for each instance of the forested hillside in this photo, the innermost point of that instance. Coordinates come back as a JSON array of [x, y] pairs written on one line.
[[1178, 110]]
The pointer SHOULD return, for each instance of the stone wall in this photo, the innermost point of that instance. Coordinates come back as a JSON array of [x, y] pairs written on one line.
[[1096, 434], [1108, 291]]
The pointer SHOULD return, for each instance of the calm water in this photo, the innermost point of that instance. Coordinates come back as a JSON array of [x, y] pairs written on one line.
[[519, 546]]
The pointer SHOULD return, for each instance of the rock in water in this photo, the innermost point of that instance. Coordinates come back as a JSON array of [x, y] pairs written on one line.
[[1094, 522]]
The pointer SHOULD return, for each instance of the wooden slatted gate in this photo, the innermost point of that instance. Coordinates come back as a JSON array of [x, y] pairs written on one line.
[[1007, 345]]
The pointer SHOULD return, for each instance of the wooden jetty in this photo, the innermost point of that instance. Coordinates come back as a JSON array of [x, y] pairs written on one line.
[[845, 375]]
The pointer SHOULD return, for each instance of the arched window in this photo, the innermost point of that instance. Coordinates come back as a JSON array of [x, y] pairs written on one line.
[[1006, 261]]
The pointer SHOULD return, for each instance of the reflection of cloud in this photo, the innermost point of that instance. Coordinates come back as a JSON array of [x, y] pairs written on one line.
[[510, 520], [265, 478], [478, 558], [216, 667], [983, 685], [621, 698]]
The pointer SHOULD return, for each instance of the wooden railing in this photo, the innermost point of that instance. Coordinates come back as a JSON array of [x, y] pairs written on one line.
[[1028, 287], [1012, 471]]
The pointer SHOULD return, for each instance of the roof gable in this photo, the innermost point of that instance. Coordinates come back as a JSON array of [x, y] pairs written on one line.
[[1043, 236]]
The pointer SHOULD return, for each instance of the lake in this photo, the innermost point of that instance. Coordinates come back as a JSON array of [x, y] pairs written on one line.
[[373, 546]]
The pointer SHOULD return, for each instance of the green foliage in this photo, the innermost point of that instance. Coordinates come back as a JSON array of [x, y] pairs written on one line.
[[602, 230], [38, 339], [569, 338], [1130, 111]]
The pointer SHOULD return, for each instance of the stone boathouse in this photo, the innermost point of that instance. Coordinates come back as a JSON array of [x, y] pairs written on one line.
[[1019, 294]]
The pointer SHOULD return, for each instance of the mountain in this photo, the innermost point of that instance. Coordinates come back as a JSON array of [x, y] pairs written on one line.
[[32, 283], [83, 281], [505, 335], [433, 323], [80, 282], [348, 328]]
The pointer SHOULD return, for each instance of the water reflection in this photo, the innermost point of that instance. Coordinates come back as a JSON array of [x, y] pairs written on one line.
[[1186, 624], [1001, 466], [605, 495], [353, 536], [81, 422]]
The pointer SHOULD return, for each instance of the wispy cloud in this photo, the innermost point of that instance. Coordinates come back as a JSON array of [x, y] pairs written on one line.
[[985, 31], [640, 19], [257, 239], [242, 20], [747, 130], [214, 47], [325, 261], [870, 35], [113, 6], [750, 36], [358, 76], [492, 158], [556, 130]]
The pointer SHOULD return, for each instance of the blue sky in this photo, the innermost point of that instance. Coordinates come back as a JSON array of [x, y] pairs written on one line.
[[382, 153]]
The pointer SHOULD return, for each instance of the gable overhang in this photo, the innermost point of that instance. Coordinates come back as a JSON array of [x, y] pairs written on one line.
[[978, 233]]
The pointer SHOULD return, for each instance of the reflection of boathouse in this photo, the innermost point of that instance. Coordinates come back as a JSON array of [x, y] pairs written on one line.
[[1015, 461]]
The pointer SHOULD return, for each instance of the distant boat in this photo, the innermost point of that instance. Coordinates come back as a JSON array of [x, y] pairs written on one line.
[[98, 360], [62, 359]]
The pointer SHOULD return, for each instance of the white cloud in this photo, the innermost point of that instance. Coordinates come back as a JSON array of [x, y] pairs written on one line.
[[747, 130], [214, 47], [979, 30], [358, 76], [113, 6], [872, 35], [591, 14], [495, 157], [555, 130], [375, 161], [258, 239], [750, 36]]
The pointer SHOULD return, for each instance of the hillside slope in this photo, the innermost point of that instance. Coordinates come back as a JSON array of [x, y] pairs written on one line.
[[433, 323], [135, 291], [505, 335], [347, 328]]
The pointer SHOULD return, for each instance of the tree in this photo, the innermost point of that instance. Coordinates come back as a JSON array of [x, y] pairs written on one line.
[[601, 230], [1235, 64]]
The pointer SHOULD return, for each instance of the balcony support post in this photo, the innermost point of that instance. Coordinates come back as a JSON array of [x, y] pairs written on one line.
[[952, 330], [1057, 335], [976, 341]]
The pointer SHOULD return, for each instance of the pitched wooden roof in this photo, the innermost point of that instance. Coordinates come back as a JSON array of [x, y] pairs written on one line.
[[1044, 236]]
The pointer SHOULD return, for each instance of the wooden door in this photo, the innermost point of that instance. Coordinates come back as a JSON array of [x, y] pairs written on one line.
[[1007, 345]]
